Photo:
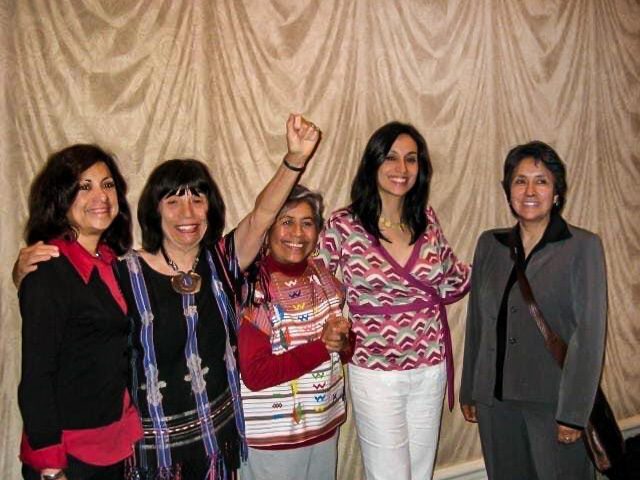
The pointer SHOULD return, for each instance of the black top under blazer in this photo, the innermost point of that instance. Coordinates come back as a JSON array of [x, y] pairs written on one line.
[[568, 279]]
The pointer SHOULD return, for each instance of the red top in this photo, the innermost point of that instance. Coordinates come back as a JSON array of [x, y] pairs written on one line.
[[262, 369], [97, 446]]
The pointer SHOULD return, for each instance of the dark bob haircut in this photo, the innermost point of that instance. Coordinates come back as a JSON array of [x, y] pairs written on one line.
[[300, 194], [54, 190], [366, 204], [540, 152], [167, 179]]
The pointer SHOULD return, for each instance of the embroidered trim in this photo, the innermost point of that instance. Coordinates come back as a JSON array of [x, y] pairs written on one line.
[[230, 322], [161, 430], [154, 397]]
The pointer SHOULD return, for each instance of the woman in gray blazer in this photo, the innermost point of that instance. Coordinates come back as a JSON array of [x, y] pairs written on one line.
[[530, 412]]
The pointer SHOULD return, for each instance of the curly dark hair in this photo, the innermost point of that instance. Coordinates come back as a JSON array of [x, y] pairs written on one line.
[[366, 204], [540, 152], [167, 179], [54, 190]]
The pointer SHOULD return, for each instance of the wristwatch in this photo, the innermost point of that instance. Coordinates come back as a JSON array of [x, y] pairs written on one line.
[[52, 476]]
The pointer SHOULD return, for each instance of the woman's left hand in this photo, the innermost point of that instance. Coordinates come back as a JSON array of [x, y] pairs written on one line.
[[302, 139], [335, 334], [568, 435]]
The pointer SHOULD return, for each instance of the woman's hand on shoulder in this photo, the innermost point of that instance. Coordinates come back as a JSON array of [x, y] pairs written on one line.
[[469, 413], [28, 259], [302, 139]]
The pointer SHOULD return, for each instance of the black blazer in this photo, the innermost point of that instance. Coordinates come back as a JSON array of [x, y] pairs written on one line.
[[74, 353]]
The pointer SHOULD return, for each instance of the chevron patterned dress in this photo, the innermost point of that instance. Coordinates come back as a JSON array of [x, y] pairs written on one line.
[[397, 310]]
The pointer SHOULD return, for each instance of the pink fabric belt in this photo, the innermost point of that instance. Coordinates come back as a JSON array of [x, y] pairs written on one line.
[[415, 306]]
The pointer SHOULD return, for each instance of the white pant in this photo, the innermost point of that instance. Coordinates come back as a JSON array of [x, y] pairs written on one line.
[[397, 415]]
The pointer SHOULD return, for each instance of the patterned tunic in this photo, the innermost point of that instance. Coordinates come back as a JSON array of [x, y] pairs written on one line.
[[306, 408], [397, 311]]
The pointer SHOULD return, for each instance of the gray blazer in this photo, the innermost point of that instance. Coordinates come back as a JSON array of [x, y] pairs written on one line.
[[568, 280]]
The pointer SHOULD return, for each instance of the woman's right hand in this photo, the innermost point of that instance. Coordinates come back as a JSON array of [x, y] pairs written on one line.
[[469, 413], [302, 139], [28, 259], [335, 334]]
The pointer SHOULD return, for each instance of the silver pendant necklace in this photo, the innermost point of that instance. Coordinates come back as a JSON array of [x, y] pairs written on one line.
[[184, 282]]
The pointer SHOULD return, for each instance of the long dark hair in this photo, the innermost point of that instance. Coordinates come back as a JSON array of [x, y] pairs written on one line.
[[366, 204], [54, 190], [167, 179]]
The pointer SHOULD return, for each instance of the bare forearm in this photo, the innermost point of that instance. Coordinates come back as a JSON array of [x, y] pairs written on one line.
[[302, 140], [252, 229]]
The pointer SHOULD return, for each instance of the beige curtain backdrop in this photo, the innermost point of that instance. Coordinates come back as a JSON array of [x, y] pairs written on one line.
[[215, 80]]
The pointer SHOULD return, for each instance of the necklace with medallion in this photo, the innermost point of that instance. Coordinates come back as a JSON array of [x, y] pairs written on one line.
[[183, 283]]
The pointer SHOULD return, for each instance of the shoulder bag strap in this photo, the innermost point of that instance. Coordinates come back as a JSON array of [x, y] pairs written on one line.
[[556, 346]]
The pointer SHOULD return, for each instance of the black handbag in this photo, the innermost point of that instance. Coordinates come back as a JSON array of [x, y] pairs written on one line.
[[602, 435]]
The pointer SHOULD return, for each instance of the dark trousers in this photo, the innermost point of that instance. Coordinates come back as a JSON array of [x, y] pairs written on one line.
[[77, 470], [519, 441]]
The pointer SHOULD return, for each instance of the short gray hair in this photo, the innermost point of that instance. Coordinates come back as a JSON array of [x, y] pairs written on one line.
[[300, 193]]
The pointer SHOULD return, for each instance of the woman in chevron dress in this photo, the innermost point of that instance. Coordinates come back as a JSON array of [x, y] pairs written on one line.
[[399, 272]]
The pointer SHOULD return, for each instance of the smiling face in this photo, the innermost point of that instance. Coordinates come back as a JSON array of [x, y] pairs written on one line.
[[294, 234], [183, 219], [398, 172], [95, 205], [532, 191]]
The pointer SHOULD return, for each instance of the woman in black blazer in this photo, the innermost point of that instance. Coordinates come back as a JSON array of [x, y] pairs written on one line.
[[79, 421]]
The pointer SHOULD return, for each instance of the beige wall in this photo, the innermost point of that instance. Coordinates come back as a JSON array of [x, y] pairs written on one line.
[[154, 79]]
